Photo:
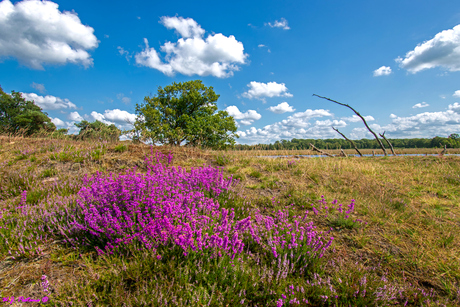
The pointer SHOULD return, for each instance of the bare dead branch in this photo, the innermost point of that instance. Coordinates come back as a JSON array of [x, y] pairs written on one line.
[[342, 153], [388, 142], [352, 143], [320, 151], [444, 151], [357, 113]]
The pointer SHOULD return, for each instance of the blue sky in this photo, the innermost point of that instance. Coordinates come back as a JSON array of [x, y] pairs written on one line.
[[396, 62]]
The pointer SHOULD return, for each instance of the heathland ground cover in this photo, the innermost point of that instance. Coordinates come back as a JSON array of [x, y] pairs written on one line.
[[122, 224]]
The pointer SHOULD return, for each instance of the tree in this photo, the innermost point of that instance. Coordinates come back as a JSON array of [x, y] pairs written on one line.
[[98, 130], [454, 136], [17, 115], [185, 113]]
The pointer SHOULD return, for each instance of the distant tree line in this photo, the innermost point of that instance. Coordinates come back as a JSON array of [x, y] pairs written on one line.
[[452, 141]]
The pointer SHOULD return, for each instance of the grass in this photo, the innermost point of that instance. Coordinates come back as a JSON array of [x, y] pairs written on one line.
[[399, 244]]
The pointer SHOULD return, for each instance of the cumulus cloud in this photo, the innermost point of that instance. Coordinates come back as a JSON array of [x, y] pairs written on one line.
[[382, 71], [420, 105], [185, 27], [246, 118], [281, 108], [455, 107], [457, 94], [297, 125], [57, 122], [443, 50], [36, 33], [217, 55], [282, 23], [49, 102], [356, 118], [259, 90], [122, 119], [422, 125], [38, 87], [74, 116]]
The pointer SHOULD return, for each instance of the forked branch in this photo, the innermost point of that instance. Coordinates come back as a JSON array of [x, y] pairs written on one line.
[[357, 113], [388, 142]]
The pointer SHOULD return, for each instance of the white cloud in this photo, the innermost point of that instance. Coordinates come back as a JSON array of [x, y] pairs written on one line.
[[123, 98], [457, 94], [259, 90], [422, 125], [356, 118], [57, 122], [38, 87], [185, 27], [263, 46], [282, 23], [246, 118], [420, 105], [122, 52], [297, 125], [382, 71], [74, 116], [36, 33], [49, 102], [122, 119], [281, 108], [217, 55], [393, 115], [443, 50], [455, 107]]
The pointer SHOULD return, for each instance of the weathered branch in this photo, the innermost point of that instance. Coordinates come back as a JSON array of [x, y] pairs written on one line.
[[444, 151], [320, 151], [352, 143], [388, 142], [342, 153], [357, 113]]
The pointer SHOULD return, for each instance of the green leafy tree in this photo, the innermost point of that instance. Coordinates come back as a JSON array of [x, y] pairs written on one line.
[[18, 115], [97, 130], [185, 113]]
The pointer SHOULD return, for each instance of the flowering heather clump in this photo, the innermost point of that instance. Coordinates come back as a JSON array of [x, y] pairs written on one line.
[[170, 206], [45, 283], [340, 219]]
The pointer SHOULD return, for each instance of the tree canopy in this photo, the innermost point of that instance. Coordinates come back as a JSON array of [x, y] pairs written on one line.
[[20, 116], [98, 130], [185, 113]]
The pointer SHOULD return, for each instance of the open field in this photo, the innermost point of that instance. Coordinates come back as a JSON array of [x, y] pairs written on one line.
[[396, 244]]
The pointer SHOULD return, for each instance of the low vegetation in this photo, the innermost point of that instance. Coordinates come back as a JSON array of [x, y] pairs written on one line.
[[90, 222]]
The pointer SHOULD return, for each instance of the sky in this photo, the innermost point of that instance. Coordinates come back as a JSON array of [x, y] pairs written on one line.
[[395, 62]]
